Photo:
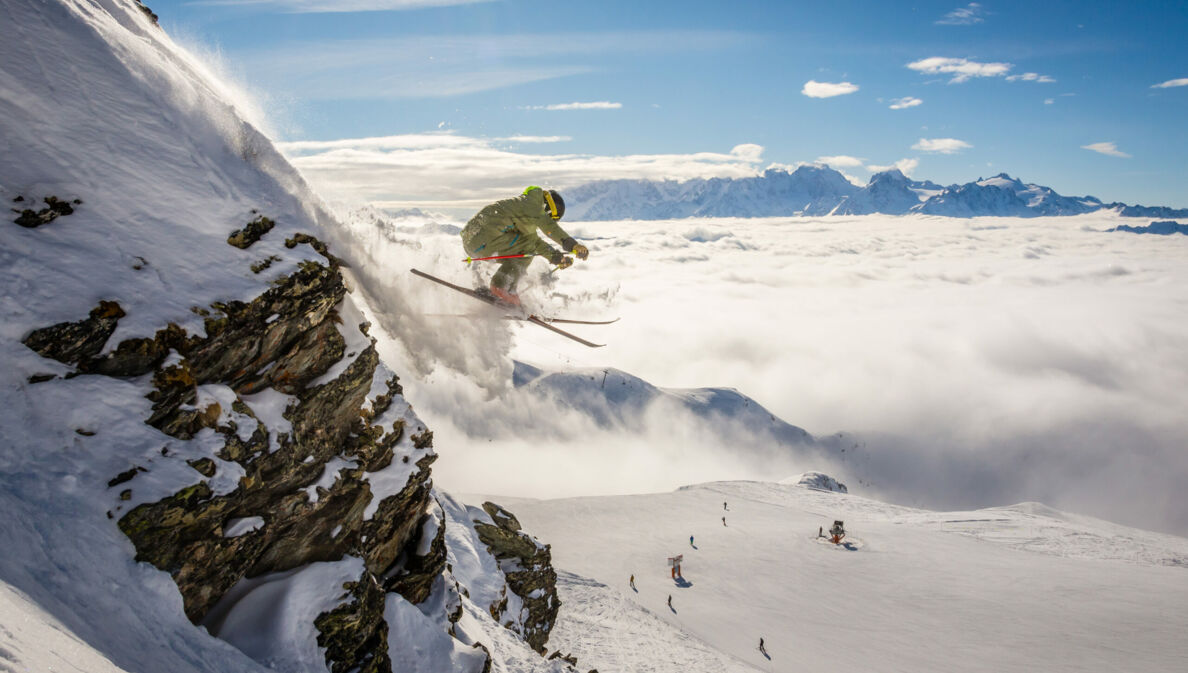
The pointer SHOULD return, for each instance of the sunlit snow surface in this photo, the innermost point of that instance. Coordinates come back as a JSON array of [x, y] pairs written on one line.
[[980, 361], [1021, 588]]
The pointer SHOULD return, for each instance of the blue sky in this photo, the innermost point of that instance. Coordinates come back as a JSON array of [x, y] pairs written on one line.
[[472, 97]]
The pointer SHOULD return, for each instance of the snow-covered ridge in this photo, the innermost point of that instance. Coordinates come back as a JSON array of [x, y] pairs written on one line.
[[814, 190], [615, 398]]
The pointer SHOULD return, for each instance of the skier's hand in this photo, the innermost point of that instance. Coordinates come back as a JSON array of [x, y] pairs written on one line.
[[580, 251], [560, 260]]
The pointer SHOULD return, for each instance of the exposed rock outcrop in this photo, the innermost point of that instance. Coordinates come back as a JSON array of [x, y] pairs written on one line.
[[54, 208], [251, 232], [530, 576], [817, 480], [75, 342], [282, 340]]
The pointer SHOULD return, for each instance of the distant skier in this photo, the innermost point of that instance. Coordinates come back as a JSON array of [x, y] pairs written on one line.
[[690, 540], [724, 505], [723, 521], [508, 228], [669, 601], [632, 581], [837, 532], [761, 647]]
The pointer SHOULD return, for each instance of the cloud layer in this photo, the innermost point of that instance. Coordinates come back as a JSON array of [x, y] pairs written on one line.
[[455, 173], [981, 362]]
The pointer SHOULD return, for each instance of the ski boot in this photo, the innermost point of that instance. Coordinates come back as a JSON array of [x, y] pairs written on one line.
[[506, 297]]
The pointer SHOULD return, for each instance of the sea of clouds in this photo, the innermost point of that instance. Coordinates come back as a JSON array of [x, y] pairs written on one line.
[[971, 363]]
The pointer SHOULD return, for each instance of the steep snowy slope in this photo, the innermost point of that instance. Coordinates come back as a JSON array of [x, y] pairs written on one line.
[[1020, 588], [195, 426]]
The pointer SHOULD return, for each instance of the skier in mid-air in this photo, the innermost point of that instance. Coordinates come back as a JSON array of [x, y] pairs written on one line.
[[509, 228]]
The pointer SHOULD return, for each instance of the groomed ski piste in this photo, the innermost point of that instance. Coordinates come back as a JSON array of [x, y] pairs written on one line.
[[1019, 588]]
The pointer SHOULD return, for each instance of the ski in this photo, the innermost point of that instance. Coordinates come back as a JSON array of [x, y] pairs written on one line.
[[520, 317], [569, 321], [494, 302]]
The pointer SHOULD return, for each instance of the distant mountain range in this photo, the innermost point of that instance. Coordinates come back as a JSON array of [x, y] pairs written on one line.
[[815, 190]]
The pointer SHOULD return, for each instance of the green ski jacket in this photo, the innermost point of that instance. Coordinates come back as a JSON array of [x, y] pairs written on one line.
[[510, 227]]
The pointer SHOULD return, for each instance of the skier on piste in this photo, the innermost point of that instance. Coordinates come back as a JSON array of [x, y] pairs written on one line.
[[509, 227]]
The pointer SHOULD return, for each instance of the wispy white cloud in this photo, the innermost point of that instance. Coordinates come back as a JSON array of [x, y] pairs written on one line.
[[1030, 77], [593, 105], [1183, 81], [941, 145], [815, 89], [962, 69], [537, 139], [964, 16], [840, 161], [905, 166], [429, 66], [451, 172], [905, 102], [1108, 149], [340, 6]]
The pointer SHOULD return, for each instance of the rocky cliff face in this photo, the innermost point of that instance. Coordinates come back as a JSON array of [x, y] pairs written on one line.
[[320, 458]]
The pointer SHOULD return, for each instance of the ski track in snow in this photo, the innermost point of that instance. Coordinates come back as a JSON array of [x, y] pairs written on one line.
[[1019, 588], [600, 624]]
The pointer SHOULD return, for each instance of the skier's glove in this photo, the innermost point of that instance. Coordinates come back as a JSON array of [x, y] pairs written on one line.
[[570, 244], [560, 260]]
